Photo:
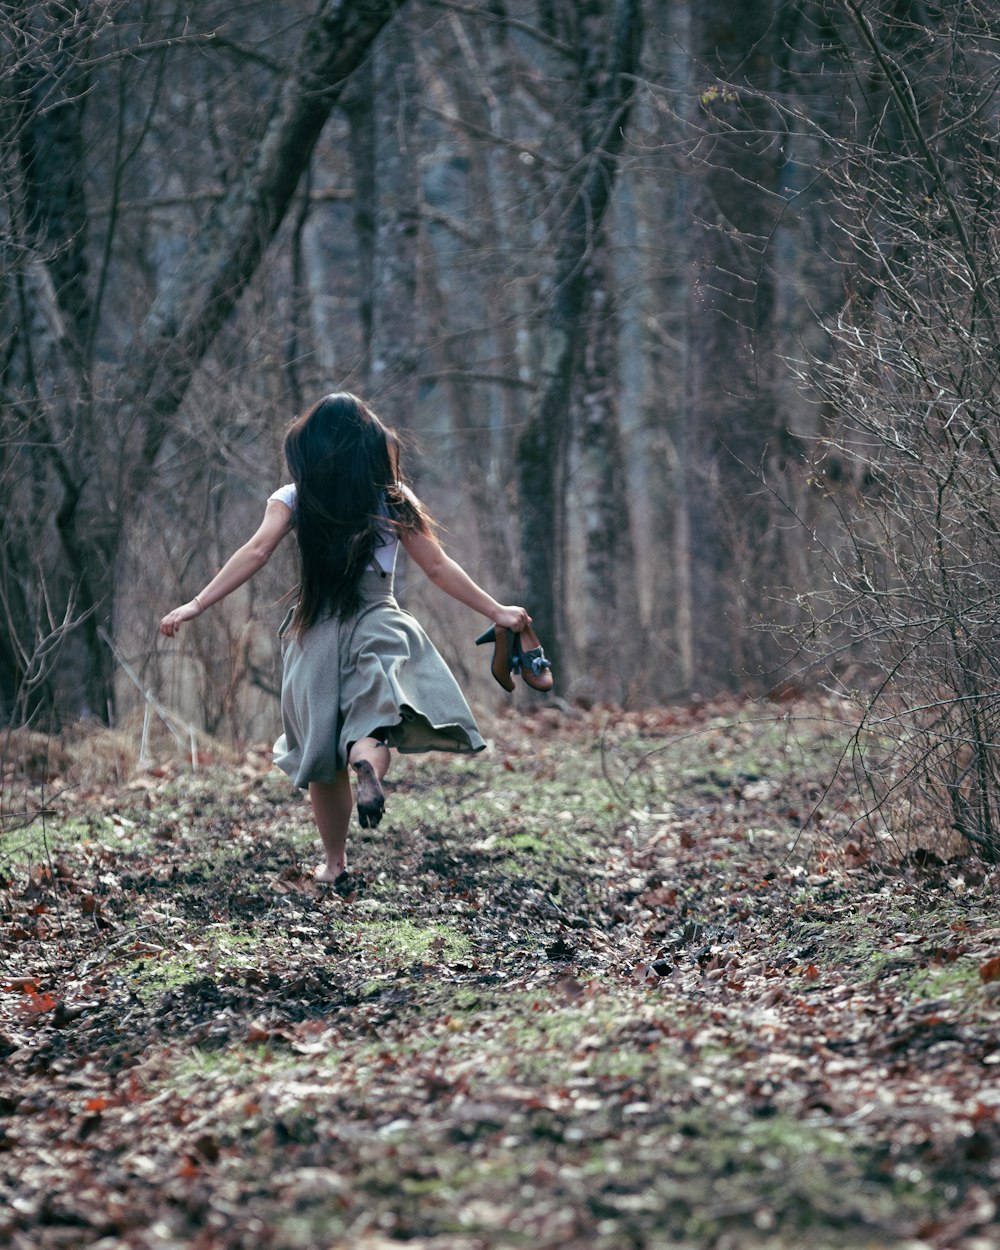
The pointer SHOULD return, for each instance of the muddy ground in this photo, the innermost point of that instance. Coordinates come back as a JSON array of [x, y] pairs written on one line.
[[630, 981]]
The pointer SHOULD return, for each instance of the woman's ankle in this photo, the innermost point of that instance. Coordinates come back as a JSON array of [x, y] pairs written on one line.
[[330, 870], [371, 751]]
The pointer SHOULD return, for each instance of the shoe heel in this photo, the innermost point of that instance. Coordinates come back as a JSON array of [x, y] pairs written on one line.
[[489, 636]]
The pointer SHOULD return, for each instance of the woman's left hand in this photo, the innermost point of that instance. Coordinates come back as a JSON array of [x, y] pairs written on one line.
[[186, 612], [514, 618]]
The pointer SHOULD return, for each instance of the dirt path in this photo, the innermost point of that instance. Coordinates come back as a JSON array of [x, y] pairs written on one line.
[[589, 992]]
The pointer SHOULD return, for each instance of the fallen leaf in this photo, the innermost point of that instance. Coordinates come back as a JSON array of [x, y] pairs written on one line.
[[990, 971]]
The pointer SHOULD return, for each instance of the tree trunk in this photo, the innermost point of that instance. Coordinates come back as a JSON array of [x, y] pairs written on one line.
[[541, 449], [359, 107], [608, 609], [395, 334], [51, 604]]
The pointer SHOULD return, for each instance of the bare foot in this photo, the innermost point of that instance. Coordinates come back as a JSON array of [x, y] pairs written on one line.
[[371, 797], [330, 872]]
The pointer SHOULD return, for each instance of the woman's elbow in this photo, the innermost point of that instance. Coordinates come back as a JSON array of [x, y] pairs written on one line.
[[436, 570], [258, 554]]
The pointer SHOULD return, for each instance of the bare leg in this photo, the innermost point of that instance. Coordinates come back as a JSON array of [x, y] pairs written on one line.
[[370, 760], [331, 805]]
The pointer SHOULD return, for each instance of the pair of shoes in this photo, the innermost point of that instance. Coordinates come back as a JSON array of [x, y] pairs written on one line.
[[510, 656]]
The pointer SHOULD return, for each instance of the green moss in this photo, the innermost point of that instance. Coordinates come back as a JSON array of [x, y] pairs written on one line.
[[960, 979], [406, 942], [466, 1000], [527, 842], [152, 977], [218, 951], [46, 836], [239, 1065]]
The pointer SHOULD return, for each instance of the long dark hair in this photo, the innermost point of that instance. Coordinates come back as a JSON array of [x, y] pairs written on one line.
[[345, 466]]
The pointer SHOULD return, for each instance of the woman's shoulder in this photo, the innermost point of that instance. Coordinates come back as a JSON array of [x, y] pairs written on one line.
[[284, 494]]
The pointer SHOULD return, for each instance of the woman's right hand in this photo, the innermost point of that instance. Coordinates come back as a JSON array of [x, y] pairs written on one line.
[[186, 612]]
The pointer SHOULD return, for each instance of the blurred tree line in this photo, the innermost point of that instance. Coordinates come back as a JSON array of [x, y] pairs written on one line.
[[689, 311]]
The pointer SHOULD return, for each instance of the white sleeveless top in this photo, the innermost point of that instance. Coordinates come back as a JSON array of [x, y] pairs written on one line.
[[385, 552]]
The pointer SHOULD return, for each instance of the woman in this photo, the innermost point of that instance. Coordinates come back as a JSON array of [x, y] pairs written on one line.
[[359, 673]]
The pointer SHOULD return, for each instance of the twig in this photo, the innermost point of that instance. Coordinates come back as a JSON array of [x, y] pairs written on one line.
[[172, 721]]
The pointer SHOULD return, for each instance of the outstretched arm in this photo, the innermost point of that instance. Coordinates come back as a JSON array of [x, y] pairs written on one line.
[[448, 575], [239, 568]]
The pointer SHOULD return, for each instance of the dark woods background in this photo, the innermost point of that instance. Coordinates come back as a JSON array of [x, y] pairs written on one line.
[[689, 310]]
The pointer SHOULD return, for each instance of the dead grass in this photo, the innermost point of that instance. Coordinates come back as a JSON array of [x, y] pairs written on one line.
[[86, 757]]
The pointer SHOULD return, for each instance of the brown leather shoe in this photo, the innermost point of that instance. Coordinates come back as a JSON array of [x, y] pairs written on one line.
[[535, 669], [503, 654]]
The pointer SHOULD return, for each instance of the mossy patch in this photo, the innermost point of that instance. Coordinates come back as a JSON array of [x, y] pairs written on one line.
[[404, 942], [958, 980], [218, 953]]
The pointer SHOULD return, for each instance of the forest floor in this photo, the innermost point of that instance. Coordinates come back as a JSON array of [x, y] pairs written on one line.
[[595, 989]]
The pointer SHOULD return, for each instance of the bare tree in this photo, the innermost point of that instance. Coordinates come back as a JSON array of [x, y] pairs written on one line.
[[912, 456], [86, 429], [607, 66]]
